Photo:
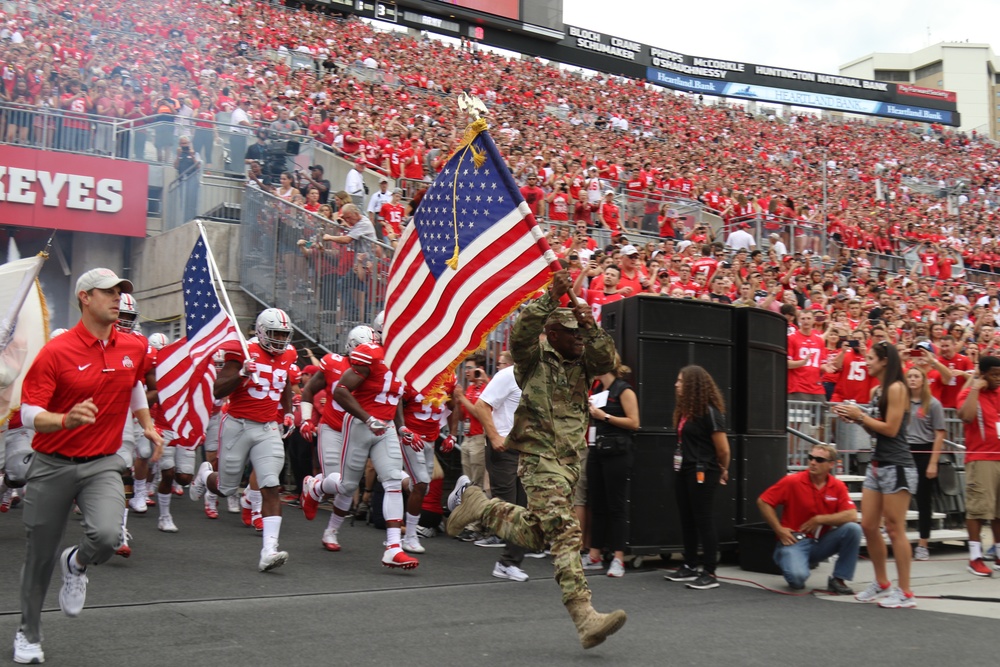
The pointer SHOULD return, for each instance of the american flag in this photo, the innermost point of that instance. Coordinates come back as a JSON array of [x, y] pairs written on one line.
[[184, 369], [471, 255]]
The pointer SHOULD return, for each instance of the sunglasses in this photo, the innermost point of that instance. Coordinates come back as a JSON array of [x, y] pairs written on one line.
[[818, 459]]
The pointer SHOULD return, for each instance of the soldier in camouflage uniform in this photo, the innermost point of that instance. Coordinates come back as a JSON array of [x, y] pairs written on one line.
[[550, 424]]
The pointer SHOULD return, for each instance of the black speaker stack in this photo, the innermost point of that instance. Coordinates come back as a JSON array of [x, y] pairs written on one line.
[[745, 352]]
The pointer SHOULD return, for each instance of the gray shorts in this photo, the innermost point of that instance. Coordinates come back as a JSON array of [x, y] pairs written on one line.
[[244, 440], [888, 478], [331, 447], [360, 444], [212, 432], [419, 465], [127, 451], [181, 459], [143, 447], [17, 453]]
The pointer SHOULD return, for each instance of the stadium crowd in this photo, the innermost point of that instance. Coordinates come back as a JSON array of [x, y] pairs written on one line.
[[603, 153]]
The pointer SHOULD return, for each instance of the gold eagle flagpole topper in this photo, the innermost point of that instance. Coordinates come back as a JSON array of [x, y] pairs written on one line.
[[475, 109]]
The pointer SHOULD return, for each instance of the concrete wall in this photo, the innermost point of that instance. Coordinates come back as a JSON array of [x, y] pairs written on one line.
[[159, 267]]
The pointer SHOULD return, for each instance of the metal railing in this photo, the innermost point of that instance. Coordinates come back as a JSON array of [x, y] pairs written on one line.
[[814, 420], [197, 194], [327, 288], [180, 204]]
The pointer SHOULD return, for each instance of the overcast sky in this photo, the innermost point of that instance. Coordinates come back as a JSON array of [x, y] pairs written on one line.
[[799, 34]]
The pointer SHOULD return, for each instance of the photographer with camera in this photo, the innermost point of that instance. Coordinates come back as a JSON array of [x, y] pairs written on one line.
[[474, 443], [818, 520], [559, 201]]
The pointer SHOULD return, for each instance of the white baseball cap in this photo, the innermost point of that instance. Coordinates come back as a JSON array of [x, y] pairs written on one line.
[[102, 279]]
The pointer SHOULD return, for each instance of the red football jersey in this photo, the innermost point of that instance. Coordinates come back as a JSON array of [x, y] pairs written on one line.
[[259, 401], [379, 393], [949, 392], [855, 383], [805, 379], [333, 366], [424, 414]]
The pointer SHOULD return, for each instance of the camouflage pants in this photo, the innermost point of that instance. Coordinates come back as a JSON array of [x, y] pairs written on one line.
[[548, 519]]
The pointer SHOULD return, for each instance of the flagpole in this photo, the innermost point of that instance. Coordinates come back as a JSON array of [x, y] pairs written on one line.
[[217, 277], [549, 254]]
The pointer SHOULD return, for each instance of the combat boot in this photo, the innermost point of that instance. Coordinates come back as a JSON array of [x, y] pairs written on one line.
[[467, 503], [592, 627]]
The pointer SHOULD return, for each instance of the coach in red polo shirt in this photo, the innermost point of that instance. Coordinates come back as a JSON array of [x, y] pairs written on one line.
[[818, 520], [76, 396]]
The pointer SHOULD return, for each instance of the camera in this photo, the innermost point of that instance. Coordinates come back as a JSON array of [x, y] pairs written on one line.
[[478, 373], [854, 344]]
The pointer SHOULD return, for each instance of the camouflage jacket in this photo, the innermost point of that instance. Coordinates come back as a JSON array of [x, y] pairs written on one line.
[[553, 415]]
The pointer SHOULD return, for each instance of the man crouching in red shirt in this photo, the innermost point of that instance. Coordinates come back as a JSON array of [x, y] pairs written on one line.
[[76, 396]]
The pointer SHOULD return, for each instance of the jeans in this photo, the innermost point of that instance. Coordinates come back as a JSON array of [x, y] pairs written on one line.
[[795, 560]]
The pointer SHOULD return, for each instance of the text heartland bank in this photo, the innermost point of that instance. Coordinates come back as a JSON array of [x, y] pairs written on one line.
[[72, 191]]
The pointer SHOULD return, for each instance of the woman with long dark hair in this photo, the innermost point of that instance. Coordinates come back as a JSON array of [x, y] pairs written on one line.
[[891, 478], [702, 465], [609, 463]]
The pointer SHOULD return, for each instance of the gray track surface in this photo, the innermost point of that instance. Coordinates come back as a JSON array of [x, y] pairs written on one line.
[[195, 598]]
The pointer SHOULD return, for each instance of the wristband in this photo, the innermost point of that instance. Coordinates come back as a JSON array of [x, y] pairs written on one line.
[[307, 410], [62, 424]]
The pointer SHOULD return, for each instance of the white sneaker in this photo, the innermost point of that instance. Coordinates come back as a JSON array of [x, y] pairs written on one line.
[[455, 497], [411, 545], [512, 572], [138, 504], [269, 560], [197, 488], [897, 599], [233, 504], [330, 542], [873, 592], [166, 524], [73, 593], [616, 569], [25, 652], [921, 553]]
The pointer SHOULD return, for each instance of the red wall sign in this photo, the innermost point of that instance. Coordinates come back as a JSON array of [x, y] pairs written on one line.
[[76, 193], [927, 93]]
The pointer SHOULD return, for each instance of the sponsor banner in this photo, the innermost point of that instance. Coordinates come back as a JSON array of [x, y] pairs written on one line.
[[799, 98], [920, 114], [688, 83], [926, 93], [76, 193]]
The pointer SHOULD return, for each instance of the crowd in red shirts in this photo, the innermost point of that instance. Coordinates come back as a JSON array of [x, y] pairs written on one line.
[[384, 97]]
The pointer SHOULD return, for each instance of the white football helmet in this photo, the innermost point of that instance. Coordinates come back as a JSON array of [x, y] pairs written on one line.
[[56, 333], [158, 341], [271, 324], [360, 335], [128, 313], [219, 359], [379, 322]]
